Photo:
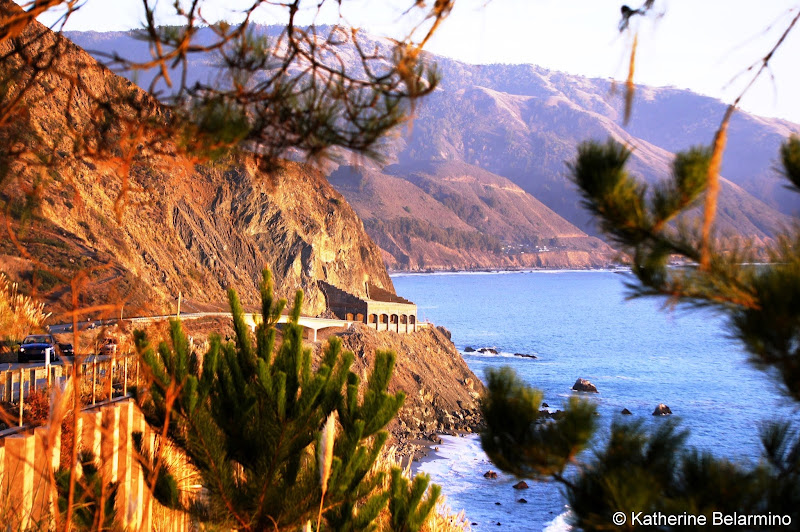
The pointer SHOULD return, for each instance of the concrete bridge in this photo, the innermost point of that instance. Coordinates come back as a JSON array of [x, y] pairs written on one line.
[[382, 322]]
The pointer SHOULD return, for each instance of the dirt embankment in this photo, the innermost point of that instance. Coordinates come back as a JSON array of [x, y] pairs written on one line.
[[442, 393]]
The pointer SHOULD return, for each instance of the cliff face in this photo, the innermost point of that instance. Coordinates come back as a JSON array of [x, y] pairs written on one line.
[[451, 215], [441, 391], [137, 216]]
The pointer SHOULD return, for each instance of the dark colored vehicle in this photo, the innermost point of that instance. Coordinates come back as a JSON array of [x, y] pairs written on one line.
[[37, 346], [66, 350], [109, 347]]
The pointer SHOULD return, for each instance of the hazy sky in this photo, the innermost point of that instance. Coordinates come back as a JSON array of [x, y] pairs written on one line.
[[700, 45]]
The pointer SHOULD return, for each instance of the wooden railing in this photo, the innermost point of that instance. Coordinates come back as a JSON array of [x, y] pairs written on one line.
[[100, 378]]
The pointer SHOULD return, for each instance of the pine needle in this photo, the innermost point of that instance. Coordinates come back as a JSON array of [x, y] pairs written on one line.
[[712, 190], [630, 88]]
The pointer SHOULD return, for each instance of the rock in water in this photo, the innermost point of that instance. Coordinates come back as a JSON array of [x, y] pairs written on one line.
[[662, 410], [582, 385], [521, 485], [522, 500], [626, 412], [524, 355], [545, 405], [487, 350], [490, 474], [469, 349]]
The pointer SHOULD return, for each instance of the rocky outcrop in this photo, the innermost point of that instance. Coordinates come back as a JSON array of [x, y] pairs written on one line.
[[442, 393], [626, 412], [144, 218], [662, 410], [583, 385]]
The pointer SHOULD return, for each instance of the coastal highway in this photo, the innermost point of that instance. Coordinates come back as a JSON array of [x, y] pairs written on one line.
[[313, 324]]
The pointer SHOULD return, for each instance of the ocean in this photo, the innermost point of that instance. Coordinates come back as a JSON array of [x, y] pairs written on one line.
[[580, 325]]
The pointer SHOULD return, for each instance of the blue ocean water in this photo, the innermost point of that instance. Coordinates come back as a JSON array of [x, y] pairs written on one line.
[[579, 325]]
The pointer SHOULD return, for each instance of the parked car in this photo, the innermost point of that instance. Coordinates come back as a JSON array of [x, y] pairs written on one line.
[[66, 349], [38, 347], [109, 347]]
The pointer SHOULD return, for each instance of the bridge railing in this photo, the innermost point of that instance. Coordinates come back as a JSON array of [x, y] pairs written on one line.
[[100, 378]]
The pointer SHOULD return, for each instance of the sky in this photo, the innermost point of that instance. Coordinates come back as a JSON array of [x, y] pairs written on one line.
[[702, 45]]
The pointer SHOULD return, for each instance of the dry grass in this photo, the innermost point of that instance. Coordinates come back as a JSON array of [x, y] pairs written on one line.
[[19, 314]]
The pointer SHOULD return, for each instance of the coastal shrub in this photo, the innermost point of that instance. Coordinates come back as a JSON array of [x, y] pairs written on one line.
[[250, 418], [653, 471]]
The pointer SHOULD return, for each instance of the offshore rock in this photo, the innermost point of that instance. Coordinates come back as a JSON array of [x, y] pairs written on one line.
[[521, 485], [662, 410], [490, 474], [626, 412], [583, 385]]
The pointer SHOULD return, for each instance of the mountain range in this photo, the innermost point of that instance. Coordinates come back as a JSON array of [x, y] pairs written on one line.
[[479, 179]]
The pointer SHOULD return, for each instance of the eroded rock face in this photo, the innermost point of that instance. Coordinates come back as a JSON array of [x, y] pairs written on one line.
[[583, 385], [157, 221], [442, 393]]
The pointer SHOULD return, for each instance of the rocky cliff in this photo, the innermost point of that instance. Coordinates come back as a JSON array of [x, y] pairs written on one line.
[[122, 217], [136, 218], [441, 391]]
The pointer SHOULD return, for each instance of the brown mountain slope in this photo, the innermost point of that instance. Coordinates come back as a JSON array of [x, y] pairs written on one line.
[[524, 123], [453, 215], [142, 219]]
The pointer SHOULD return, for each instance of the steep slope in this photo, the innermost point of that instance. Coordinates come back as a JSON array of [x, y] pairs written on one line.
[[523, 123], [141, 219], [450, 214], [670, 118], [528, 139]]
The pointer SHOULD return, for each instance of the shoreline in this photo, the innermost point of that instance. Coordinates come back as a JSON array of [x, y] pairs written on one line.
[[432, 271], [424, 450]]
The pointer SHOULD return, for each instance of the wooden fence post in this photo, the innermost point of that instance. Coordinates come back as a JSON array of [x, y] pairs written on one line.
[[21, 394], [9, 381], [111, 377], [94, 378], [125, 376]]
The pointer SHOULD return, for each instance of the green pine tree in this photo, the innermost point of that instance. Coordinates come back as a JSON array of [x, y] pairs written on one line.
[[249, 419], [93, 508], [637, 470]]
